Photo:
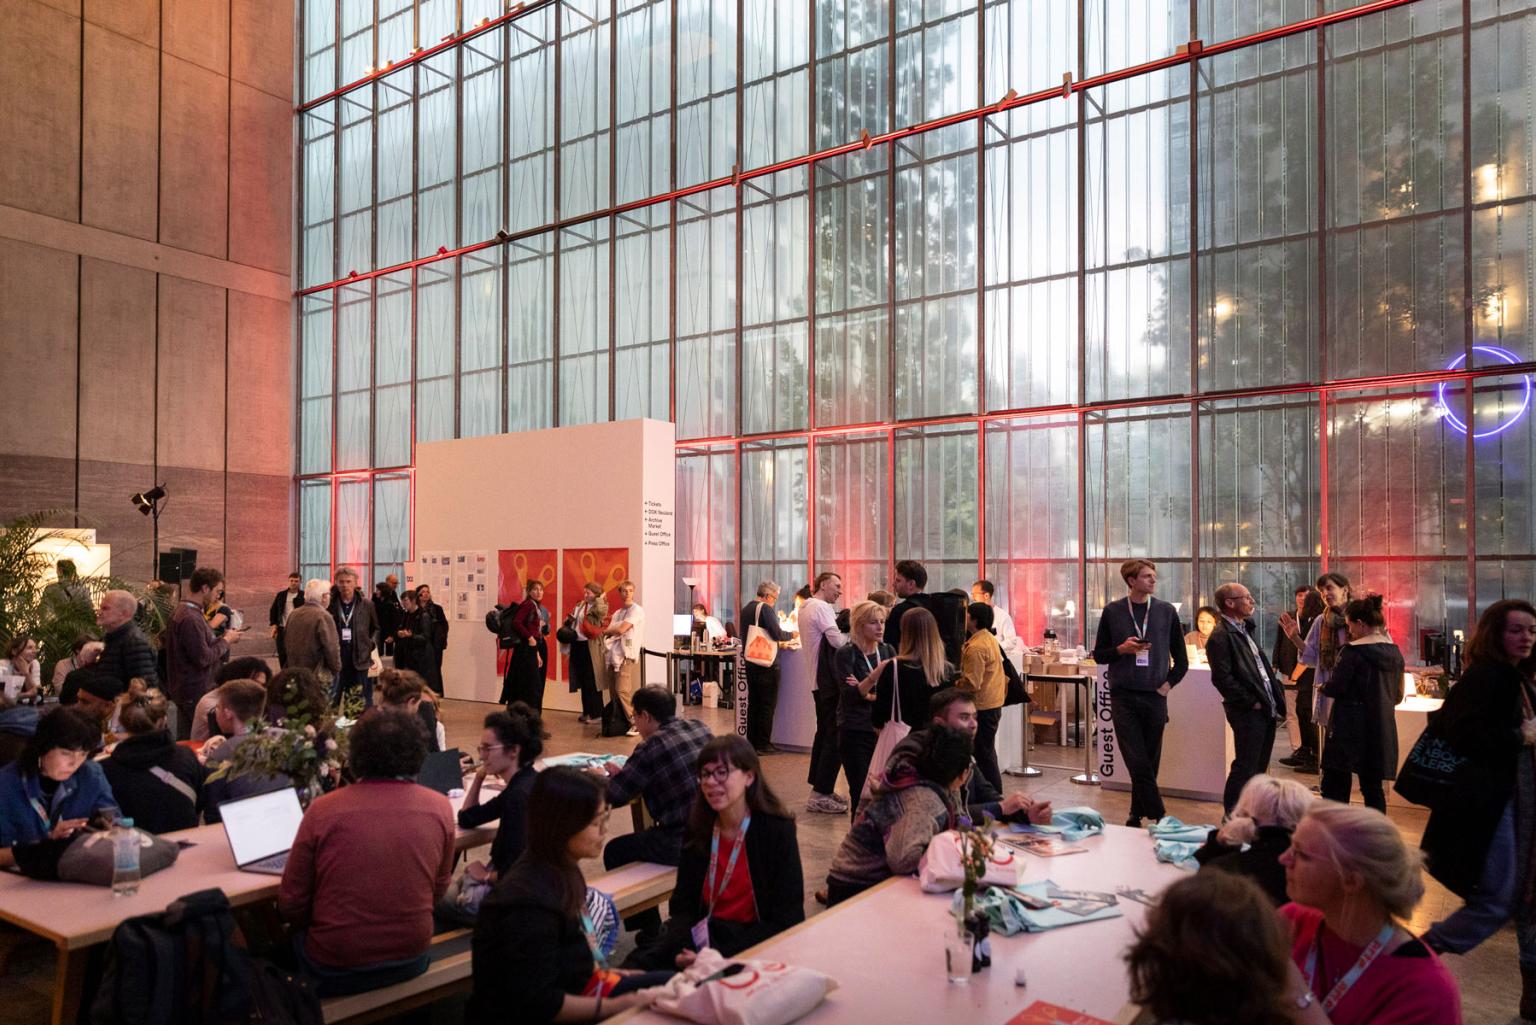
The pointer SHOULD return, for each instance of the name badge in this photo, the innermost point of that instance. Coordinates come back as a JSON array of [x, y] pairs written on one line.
[[346, 635], [1143, 658], [700, 934]]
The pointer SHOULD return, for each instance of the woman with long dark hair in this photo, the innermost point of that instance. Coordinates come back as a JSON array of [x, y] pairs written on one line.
[[528, 663], [587, 651], [1481, 844], [534, 957], [1366, 684], [1299, 678], [722, 899], [1325, 641]]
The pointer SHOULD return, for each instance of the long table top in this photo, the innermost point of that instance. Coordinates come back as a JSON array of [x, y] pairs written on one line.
[[885, 948], [75, 915]]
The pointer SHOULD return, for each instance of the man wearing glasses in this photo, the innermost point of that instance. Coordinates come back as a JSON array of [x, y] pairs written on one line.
[[1250, 691]]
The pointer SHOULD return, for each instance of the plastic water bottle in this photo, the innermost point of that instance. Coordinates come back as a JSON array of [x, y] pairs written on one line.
[[125, 859], [1052, 647]]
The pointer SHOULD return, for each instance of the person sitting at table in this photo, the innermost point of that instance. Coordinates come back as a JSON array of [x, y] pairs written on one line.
[[240, 709], [723, 900], [53, 789], [534, 959], [296, 696], [713, 629], [157, 782], [919, 796], [21, 663], [94, 694], [407, 692], [1206, 619], [358, 928], [1251, 841], [1213, 952], [84, 651], [204, 722], [955, 708], [17, 724], [1351, 880], [510, 743], [663, 770]]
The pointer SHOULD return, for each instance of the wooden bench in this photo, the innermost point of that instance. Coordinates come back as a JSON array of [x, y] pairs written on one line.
[[634, 888]]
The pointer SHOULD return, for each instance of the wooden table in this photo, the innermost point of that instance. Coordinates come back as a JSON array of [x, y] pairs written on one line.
[[885, 948], [76, 916]]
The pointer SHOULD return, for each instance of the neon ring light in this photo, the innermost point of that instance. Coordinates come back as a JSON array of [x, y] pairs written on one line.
[[1525, 399]]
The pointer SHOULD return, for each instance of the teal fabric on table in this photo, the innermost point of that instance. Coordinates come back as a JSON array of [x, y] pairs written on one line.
[[1170, 828], [1177, 853], [1008, 914], [1071, 824]]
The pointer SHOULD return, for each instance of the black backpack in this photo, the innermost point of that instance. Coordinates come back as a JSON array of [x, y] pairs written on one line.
[[615, 722], [182, 967]]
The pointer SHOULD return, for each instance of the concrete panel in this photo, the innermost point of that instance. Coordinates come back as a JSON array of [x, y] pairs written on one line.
[[117, 363], [197, 31], [37, 332], [261, 35], [105, 490], [121, 151], [191, 375], [260, 385], [259, 556], [40, 115], [35, 484], [194, 513], [67, 6], [260, 179], [194, 154], [139, 20]]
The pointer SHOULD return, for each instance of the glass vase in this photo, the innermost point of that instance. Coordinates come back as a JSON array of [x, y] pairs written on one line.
[[959, 955]]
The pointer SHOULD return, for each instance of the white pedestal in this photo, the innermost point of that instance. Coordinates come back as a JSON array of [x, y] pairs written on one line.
[[1197, 743], [794, 721]]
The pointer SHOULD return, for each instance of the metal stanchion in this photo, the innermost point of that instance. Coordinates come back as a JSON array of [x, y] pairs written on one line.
[[1087, 777], [1024, 769]]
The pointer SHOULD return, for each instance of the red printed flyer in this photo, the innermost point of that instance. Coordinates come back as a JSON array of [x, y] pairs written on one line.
[[1042, 1013]]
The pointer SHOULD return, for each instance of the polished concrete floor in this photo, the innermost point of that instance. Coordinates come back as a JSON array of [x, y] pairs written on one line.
[[1489, 977]]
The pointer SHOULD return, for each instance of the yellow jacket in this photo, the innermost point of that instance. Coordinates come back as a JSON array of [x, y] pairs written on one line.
[[981, 670]]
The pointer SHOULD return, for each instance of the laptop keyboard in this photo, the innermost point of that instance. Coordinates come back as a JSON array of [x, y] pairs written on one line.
[[272, 864]]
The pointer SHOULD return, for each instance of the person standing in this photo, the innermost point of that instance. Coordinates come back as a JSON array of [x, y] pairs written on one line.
[[388, 611], [1008, 638], [439, 625], [762, 681], [1481, 844], [819, 640], [125, 652], [192, 653], [858, 661], [981, 676], [1298, 678], [1324, 642], [625, 633], [283, 605], [1139, 638], [357, 631], [528, 663], [907, 581], [310, 634], [1366, 684], [1251, 695], [587, 652], [413, 642]]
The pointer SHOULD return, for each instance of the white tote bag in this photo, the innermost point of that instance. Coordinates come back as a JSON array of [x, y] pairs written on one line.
[[891, 734], [943, 866], [760, 649], [718, 991]]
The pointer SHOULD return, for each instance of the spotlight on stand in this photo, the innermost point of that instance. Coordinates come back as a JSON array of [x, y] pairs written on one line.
[[693, 632], [150, 503]]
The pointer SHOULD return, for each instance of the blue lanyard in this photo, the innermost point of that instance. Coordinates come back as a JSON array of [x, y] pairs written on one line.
[[710, 893], [1367, 956], [590, 932]]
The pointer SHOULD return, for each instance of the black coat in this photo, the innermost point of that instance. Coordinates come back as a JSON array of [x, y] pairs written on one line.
[[127, 654], [1366, 683], [1481, 721], [153, 804], [1260, 862], [280, 605], [1234, 673], [511, 807], [529, 950], [773, 857]]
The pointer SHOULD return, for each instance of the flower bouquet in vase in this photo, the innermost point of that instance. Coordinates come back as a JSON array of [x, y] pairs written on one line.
[[970, 950]]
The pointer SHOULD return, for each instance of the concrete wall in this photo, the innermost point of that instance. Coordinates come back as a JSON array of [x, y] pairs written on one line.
[[145, 275]]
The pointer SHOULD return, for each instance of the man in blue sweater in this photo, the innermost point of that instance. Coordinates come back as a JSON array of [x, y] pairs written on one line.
[[1141, 645]]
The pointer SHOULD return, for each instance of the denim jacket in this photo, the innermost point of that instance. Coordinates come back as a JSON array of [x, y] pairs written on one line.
[[78, 797]]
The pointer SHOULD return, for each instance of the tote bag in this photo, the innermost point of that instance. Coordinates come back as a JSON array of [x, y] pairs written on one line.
[[891, 734], [761, 650]]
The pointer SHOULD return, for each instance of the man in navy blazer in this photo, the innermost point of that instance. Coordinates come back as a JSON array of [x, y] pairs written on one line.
[[1251, 694]]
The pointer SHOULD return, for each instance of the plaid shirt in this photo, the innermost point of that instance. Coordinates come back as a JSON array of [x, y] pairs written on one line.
[[663, 771]]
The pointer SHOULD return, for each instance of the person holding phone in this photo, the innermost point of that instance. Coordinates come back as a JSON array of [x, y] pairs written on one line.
[[53, 789], [1141, 644]]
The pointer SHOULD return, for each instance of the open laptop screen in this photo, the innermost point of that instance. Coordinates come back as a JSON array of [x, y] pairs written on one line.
[[261, 826]]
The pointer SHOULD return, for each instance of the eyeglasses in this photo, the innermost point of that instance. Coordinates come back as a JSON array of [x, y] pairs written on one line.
[[719, 774], [486, 749]]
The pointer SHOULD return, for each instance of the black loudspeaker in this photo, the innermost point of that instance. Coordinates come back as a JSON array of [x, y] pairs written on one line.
[[177, 564]]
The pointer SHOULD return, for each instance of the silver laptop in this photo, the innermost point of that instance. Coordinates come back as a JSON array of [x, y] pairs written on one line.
[[261, 829]]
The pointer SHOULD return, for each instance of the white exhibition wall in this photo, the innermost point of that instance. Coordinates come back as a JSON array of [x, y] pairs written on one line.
[[605, 485]]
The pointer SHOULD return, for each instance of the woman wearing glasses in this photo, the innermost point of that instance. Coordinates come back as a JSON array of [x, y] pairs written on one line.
[[739, 880], [509, 744]]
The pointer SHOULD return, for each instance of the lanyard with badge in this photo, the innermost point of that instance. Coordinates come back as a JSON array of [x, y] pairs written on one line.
[[1143, 657], [1371, 952], [346, 620], [712, 895]]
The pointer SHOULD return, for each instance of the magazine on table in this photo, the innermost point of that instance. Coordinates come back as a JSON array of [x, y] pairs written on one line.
[[1042, 845]]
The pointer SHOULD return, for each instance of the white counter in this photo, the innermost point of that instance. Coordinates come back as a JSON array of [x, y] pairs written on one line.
[[794, 721]]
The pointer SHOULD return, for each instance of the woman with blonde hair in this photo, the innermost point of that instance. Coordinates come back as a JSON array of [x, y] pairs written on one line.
[[918, 670], [1352, 881], [1251, 841], [157, 782], [859, 662]]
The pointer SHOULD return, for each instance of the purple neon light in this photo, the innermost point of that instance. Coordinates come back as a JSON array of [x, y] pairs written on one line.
[[1525, 399]]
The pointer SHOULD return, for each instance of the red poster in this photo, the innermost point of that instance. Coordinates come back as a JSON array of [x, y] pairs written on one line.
[[1042, 1013], [606, 566], [517, 567]]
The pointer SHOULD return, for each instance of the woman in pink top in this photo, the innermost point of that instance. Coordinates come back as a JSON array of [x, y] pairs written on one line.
[[1351, 880]]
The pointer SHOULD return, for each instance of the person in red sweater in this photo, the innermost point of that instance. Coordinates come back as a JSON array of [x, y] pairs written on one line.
[[1352, 881], [358, 930]]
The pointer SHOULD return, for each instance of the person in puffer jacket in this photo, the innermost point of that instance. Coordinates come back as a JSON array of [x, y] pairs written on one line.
[[919, 797], [17, 724]]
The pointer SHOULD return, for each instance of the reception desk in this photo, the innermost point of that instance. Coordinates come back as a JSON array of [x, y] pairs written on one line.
[[794, 721], [1197, 743]]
